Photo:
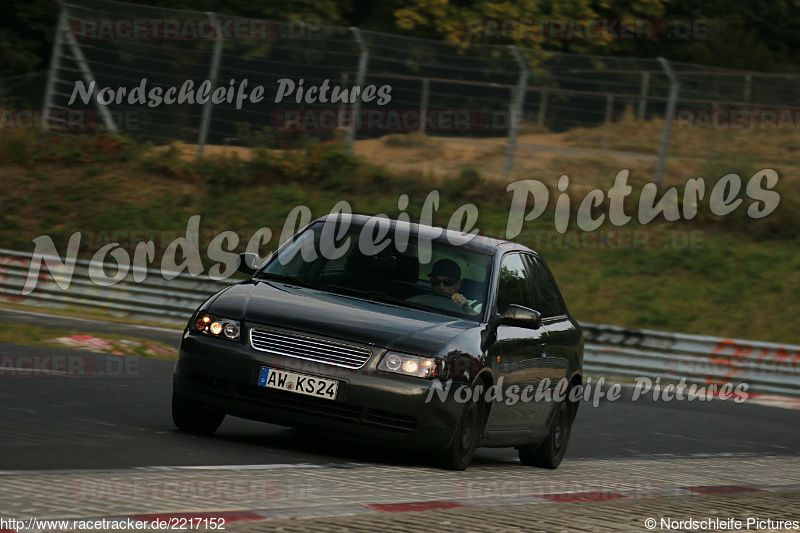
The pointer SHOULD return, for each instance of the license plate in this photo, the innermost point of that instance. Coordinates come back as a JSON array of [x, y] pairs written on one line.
[[299, 383]]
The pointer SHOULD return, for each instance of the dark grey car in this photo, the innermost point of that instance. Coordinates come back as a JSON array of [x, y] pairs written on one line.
[[358, 326]]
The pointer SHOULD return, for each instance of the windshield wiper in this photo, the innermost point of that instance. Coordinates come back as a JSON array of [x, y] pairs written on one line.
[[291, 280], [378, 296], [342, 288], [382, 296]]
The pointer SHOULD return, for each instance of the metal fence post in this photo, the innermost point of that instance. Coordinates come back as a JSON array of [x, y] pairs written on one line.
[[341, 123], [55, 62], [86, 74], [607, 122], [205, 120], [668, 115], [643, 96], [423, 104], [516, 108], [542, 108], [748, 82], [360, 76]]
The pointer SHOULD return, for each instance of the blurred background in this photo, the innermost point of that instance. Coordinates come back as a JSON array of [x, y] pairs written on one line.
[[481, 94]]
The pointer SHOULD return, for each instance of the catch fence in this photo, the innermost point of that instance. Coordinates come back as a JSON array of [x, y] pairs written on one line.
[[480, 105]]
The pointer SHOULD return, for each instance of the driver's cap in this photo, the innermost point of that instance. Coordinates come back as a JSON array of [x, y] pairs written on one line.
[[446, 267]]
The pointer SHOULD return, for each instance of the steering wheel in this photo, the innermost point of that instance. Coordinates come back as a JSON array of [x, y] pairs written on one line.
[[438, 300], [443, 295]]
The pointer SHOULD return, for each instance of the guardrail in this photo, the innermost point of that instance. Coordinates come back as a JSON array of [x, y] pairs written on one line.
[[610, 351], [141, 294], [766, 367]]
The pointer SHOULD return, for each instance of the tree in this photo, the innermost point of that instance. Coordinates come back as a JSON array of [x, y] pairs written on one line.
[[26, 35]]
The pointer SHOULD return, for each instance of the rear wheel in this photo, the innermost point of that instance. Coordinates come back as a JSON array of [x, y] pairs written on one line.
[[550, 453], [459, 454], [190, 417]]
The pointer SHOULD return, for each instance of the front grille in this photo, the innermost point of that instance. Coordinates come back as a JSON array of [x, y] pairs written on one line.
[[308, 348]]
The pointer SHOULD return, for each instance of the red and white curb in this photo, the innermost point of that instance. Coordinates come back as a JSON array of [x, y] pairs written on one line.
[[402, 507], [784, 402]]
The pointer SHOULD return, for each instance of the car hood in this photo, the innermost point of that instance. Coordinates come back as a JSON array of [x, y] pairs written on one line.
[[338, 316]]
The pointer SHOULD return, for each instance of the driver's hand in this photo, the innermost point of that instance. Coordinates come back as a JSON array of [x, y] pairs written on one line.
[[461, 301]]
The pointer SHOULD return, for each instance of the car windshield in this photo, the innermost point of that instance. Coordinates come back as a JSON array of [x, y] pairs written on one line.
[[394, 265]]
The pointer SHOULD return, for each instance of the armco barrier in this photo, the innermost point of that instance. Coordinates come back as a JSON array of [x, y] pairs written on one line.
[[143, 294], [610, 351], [767, 368]]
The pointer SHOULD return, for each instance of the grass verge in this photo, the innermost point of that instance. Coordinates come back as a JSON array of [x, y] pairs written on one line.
[[739, 277], [28, 335]]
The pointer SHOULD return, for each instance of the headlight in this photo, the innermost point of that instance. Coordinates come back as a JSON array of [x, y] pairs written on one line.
[[213, 326], [410, 365]]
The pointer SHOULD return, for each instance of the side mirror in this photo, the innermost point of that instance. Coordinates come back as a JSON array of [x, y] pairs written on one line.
[[521, 317], [246, 263]]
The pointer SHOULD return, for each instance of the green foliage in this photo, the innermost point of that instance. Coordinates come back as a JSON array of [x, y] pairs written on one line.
[[28, 147], [754, 35], [678, 288], [265, 137], [782, 224], [470, 177], [26, 30], [167, 162], [468, 181], [326, 165], [406, 140], [17, 147], [449, 20]]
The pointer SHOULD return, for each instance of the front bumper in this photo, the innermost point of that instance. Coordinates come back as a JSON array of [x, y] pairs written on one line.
[[372, 404]]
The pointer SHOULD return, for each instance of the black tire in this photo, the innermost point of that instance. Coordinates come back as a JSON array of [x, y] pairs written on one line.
[[550, 452], [190, 417], [459, 454]]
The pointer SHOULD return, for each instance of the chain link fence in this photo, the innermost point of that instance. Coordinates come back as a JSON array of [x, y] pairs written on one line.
[[22, 92], [501, 109]]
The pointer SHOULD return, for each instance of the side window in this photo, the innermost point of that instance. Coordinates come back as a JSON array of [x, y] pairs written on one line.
[[514, 286], [545, 293]]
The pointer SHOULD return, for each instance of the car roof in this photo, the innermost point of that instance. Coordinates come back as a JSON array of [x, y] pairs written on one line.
[[480, 242]]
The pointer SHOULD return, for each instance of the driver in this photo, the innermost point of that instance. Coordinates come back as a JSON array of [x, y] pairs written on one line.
[[446, 278]]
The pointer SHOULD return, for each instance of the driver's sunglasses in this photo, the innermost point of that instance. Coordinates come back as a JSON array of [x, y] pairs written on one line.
[[446, 282]]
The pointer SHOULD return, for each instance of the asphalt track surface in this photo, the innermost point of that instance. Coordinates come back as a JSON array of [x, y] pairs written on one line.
[[117, 415]]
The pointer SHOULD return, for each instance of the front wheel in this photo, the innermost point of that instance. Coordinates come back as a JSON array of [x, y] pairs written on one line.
[[192, 418], [550, 453], [459, 454]]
